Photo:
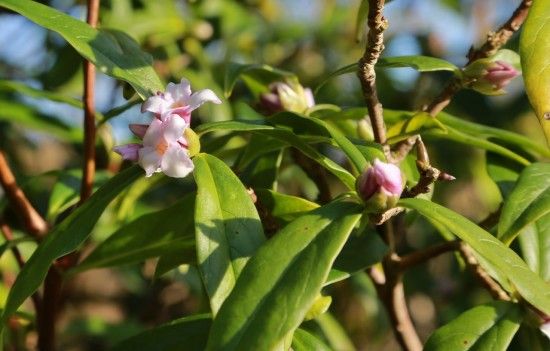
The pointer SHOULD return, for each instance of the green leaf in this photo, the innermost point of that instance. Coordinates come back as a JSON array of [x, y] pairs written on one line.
[[12, 86], [533, 48], [534, 242], [282, 206], [305, 341], [417, 62], [257, 72], [228, 229], [65, 238], [487, 327], [503, 172], [184, 334], [148, 236], [501, 258], [282, 280], [359, 252], [315, 126], [529, 201], [113, 52], [417, 124], [26, 116], [285, 136]]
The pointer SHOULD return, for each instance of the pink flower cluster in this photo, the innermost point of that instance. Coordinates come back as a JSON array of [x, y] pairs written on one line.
[[164, 147]]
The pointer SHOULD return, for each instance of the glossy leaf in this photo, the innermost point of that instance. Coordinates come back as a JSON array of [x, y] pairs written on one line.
[[501, 258], [305, 341], [65, 238], [487, 327], [282, 206], [534, 47], [503, 173], [113, 52], [417, 124], [228, 229], [148, 236], [184, 334], [285, 136], [529, 201], [534, 241], [282, 280]]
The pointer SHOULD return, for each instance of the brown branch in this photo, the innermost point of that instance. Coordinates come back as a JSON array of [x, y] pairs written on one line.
[[421, 256], [389, 288], [495, 40], [488, 283], [88, 170], [32, 221], [375, 44]]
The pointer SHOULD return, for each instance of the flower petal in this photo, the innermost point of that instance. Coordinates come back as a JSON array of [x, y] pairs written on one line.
[[310, 100], [200, 97], [176, 162], [149, 160], [129, 151], [139, 130], [153, 134], [173, 128], [179, 92], [156, 104]]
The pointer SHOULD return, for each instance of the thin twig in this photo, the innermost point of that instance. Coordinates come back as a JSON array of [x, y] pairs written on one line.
[[495, 40], [421, 256], [34, 223], [88, 170], [389, 288], [492, 286], [367, 75]]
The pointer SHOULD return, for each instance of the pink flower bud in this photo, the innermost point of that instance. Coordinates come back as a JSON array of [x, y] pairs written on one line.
[[500, 74], [545, 326], [382, 178], [288, 96]]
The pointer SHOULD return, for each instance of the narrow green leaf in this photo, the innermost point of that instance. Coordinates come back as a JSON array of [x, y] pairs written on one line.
[[258, 72], [502, 259], [148, 236], [419, 123], [534, 47], [65, 238], [305, 341], [503, 172], [282, 206], [334, 332], [282, 280], [285, 136], [113, 52], [529, 201], [487, 327], [26, 116], [534, 242], [417, 62], [13, 86], [227, 226], [184, 334]]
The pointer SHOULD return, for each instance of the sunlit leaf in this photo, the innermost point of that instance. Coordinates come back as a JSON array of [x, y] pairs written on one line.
[[534, 47], [282, 280], [529, 201], [487, 327], [65, 238], [227, 226], [113, 52], [501, 258]]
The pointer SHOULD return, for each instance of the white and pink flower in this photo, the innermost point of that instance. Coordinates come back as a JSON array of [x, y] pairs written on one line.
[[165, 148], [178, 100]]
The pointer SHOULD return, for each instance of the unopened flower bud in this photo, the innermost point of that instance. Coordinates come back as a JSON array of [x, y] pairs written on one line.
[[380, 186], [490, 75], [545, 326], [287, 96]]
